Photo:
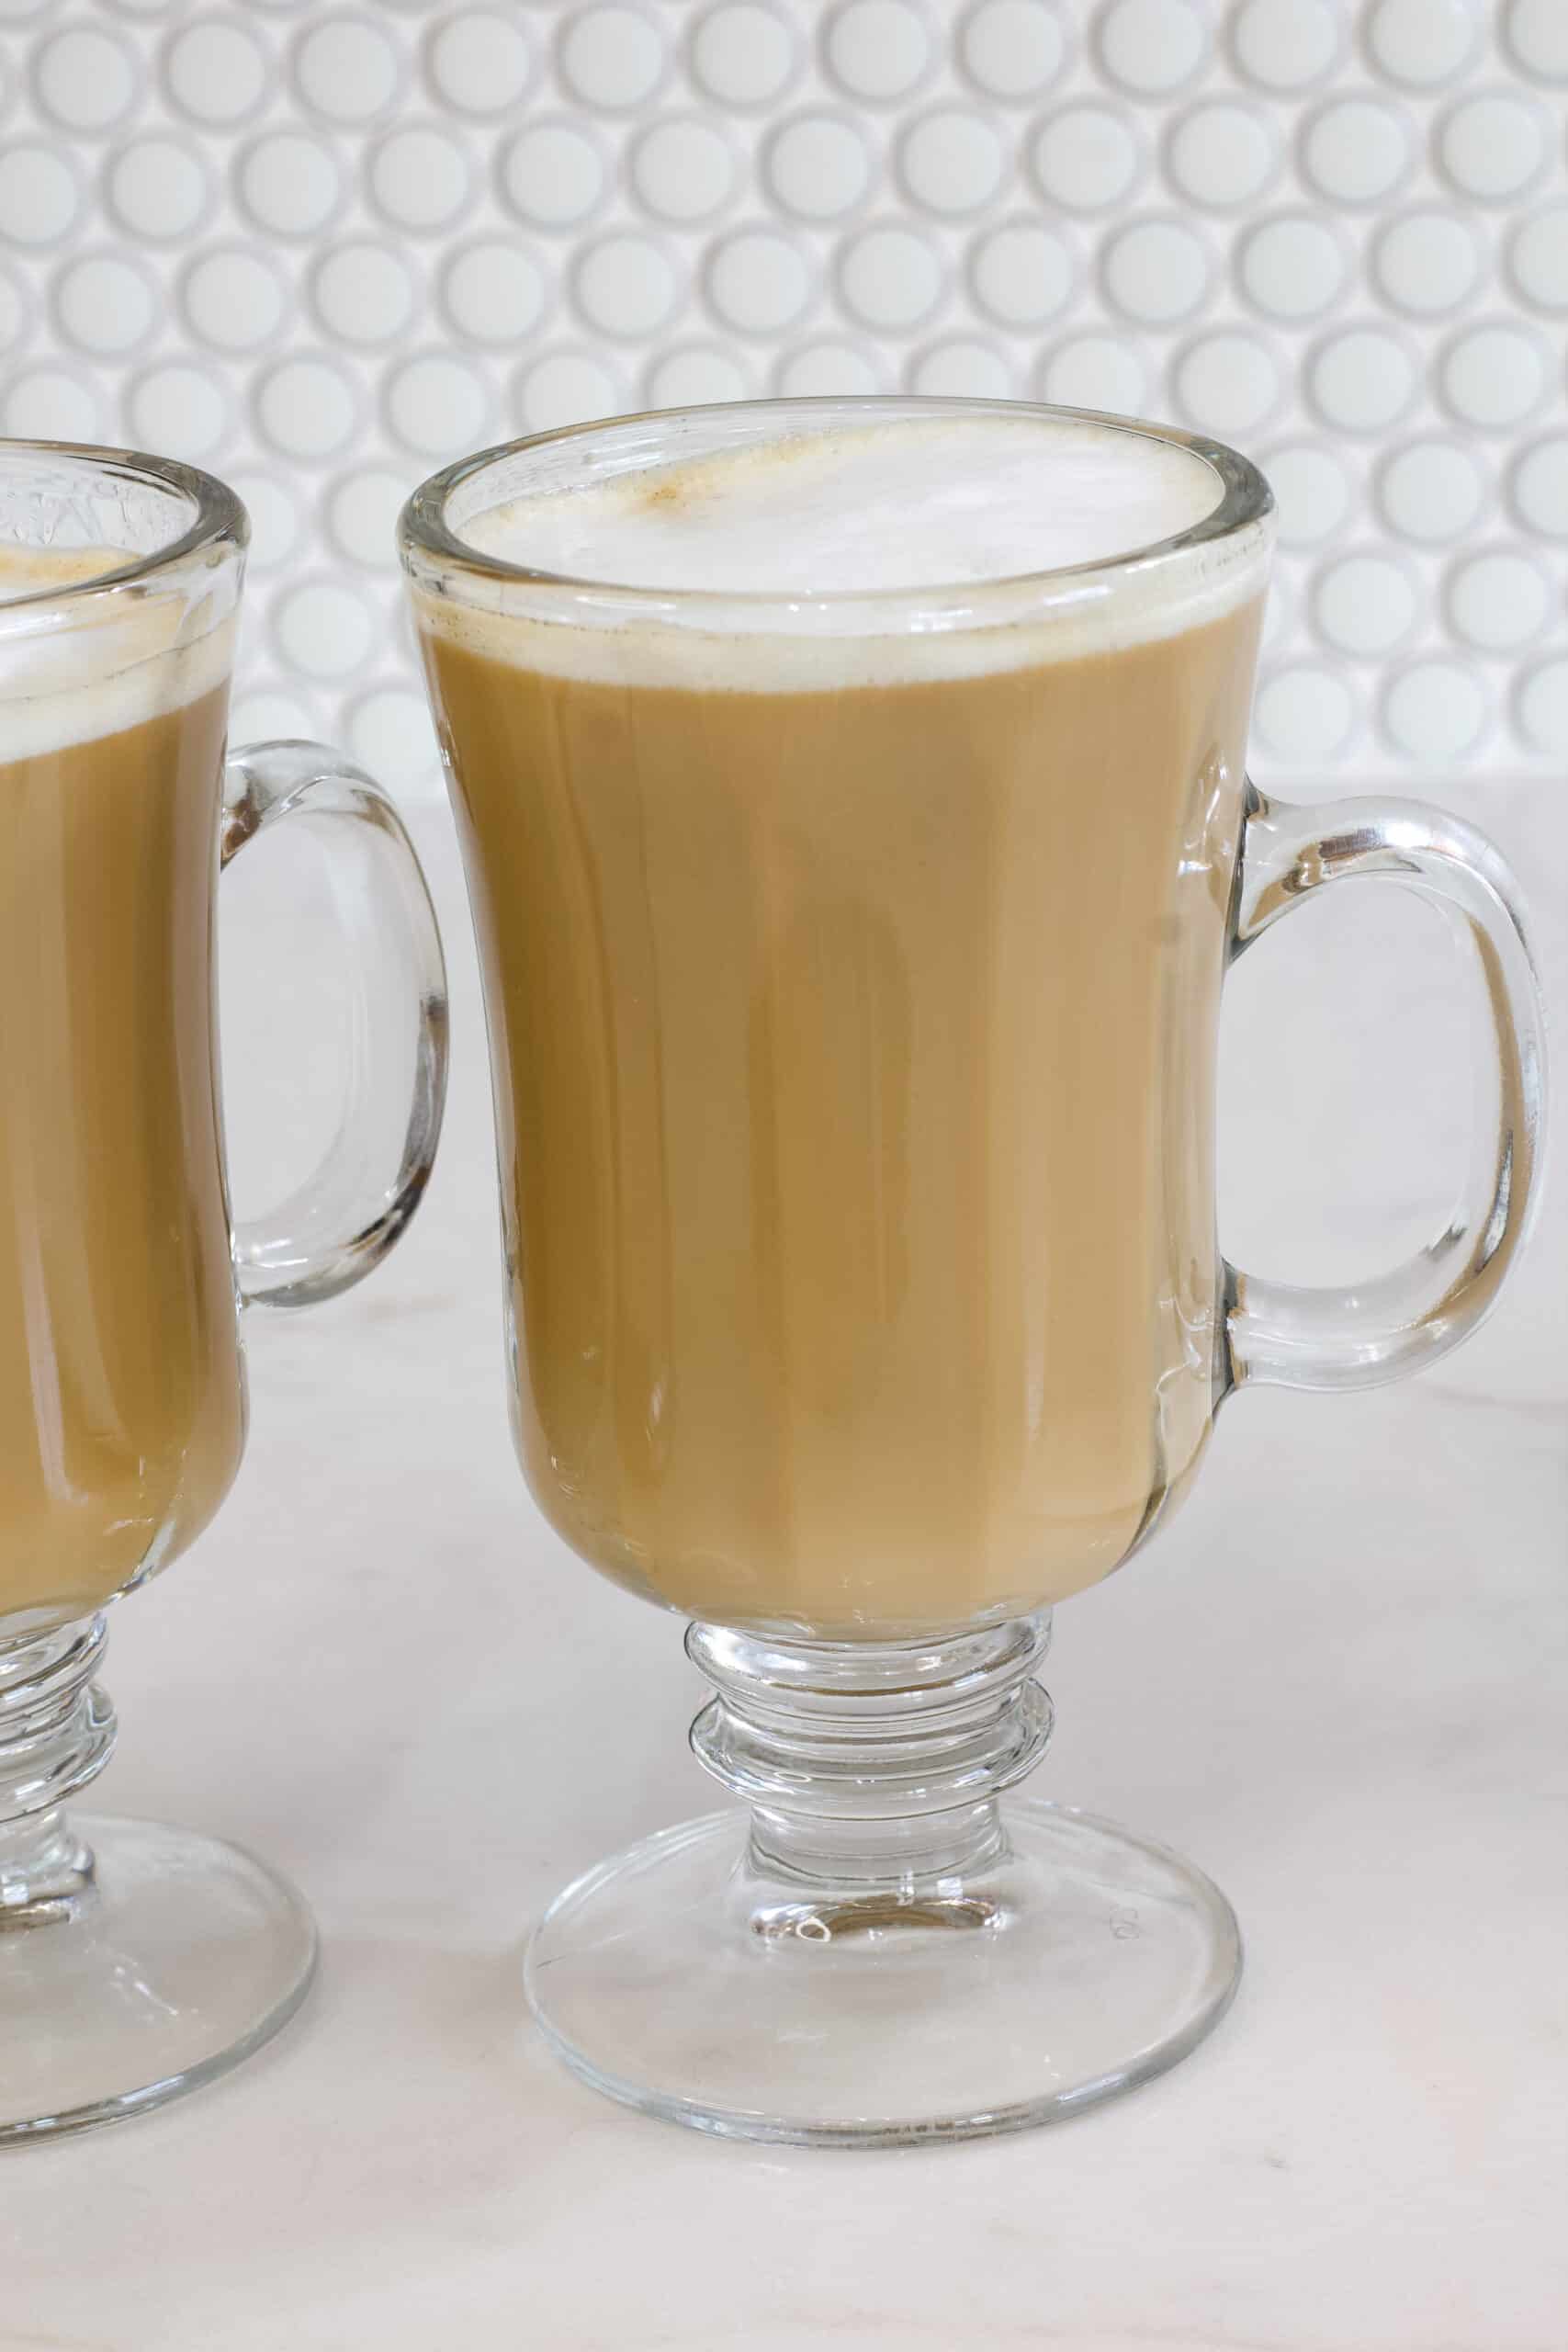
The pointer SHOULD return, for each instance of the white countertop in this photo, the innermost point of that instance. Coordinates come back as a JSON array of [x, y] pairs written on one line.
[[1337, 1682]]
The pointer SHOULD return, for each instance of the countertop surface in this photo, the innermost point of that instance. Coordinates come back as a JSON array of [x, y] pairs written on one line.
[[1336, 1680]]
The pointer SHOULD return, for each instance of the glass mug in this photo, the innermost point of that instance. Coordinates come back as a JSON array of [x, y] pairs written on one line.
[[852, 965], [136, 1960]]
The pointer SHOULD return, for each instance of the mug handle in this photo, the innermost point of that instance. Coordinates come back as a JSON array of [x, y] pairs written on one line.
[[343, 1220], [1328, 1339]]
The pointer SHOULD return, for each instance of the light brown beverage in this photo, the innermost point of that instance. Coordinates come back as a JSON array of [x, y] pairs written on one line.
[[122, 1405], [852, 1027]]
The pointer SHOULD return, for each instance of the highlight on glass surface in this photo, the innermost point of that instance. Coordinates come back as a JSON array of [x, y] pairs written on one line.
[[137, 1960], [858, 833]]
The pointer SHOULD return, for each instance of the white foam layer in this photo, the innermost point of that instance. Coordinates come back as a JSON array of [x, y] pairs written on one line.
[[960, 511], [885, 507], [91, 666]]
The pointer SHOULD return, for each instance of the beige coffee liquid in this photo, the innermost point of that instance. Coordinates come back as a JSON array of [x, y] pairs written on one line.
[[122, 1406], [853, 1049]]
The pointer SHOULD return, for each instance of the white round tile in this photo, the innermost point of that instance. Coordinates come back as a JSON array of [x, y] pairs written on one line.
[[625, 286], [86, 78], [234, 298], [682, 169], [566, 387], [1427, 262], [1494, 375], [104, 304], [950, 160], [362, 510], [16, 309], [828, 369], [1537, 258], [157, 188], [1086, 158], [1536, 34], [1498, 600], [217, 72], [1541, 707], [694, 375], [1099, 371], [1151, 47], [1227, 382], [1361, 380], [1156, 271], [40, 195], [743, 53], [1312, 492], [1012, 50], [553, 175], [890, 277], [51, 404], [364, 292], [178, 411], [1431, 493], [612, 57], [324, 627], [962, 368], [758, 281], [818, 166], [1221, 153], [1435, 712], [1538, 486], [1355, 151], [306, 408], [438, 405], [1364, 606], [1021, 273], [270, 715], [1423, 43], [1294, 267], [1305, 714], [420, 179], [878, 49], [290, 184], [1284, 45], [1493, 146], [390, 735], [478, 62], [347, 69], [274, 517], [493, 291]]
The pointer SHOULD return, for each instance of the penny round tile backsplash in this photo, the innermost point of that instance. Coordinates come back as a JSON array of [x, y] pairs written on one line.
[[323, 250]]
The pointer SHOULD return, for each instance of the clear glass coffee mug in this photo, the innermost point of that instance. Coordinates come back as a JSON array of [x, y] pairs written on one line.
[[852, 965], [137, 1960]]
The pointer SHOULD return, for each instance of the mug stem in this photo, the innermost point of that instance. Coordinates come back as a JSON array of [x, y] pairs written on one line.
[[57, 1731], [872, 1769]]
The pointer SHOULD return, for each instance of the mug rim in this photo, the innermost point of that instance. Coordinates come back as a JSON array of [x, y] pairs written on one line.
[[432, 553], [219, 520]]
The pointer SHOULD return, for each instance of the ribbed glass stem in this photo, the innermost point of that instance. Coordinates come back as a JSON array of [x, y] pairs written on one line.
[[874, 1765], [57, 1731]]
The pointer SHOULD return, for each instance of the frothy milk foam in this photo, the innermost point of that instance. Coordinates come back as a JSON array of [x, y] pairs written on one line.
[[110, 664], [878, 510]]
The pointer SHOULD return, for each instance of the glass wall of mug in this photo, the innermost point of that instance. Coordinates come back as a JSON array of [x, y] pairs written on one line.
[[136, 1960], [857, 828]]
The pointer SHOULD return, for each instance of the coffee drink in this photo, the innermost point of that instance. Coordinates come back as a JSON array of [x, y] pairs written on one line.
[[121, 1404], [853, 988]]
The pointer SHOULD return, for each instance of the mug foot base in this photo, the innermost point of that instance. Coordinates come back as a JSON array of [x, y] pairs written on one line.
[[182, 1956], [682, 1979]]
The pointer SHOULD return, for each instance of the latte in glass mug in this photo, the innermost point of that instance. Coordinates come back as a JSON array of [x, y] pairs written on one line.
[[854, 996]]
